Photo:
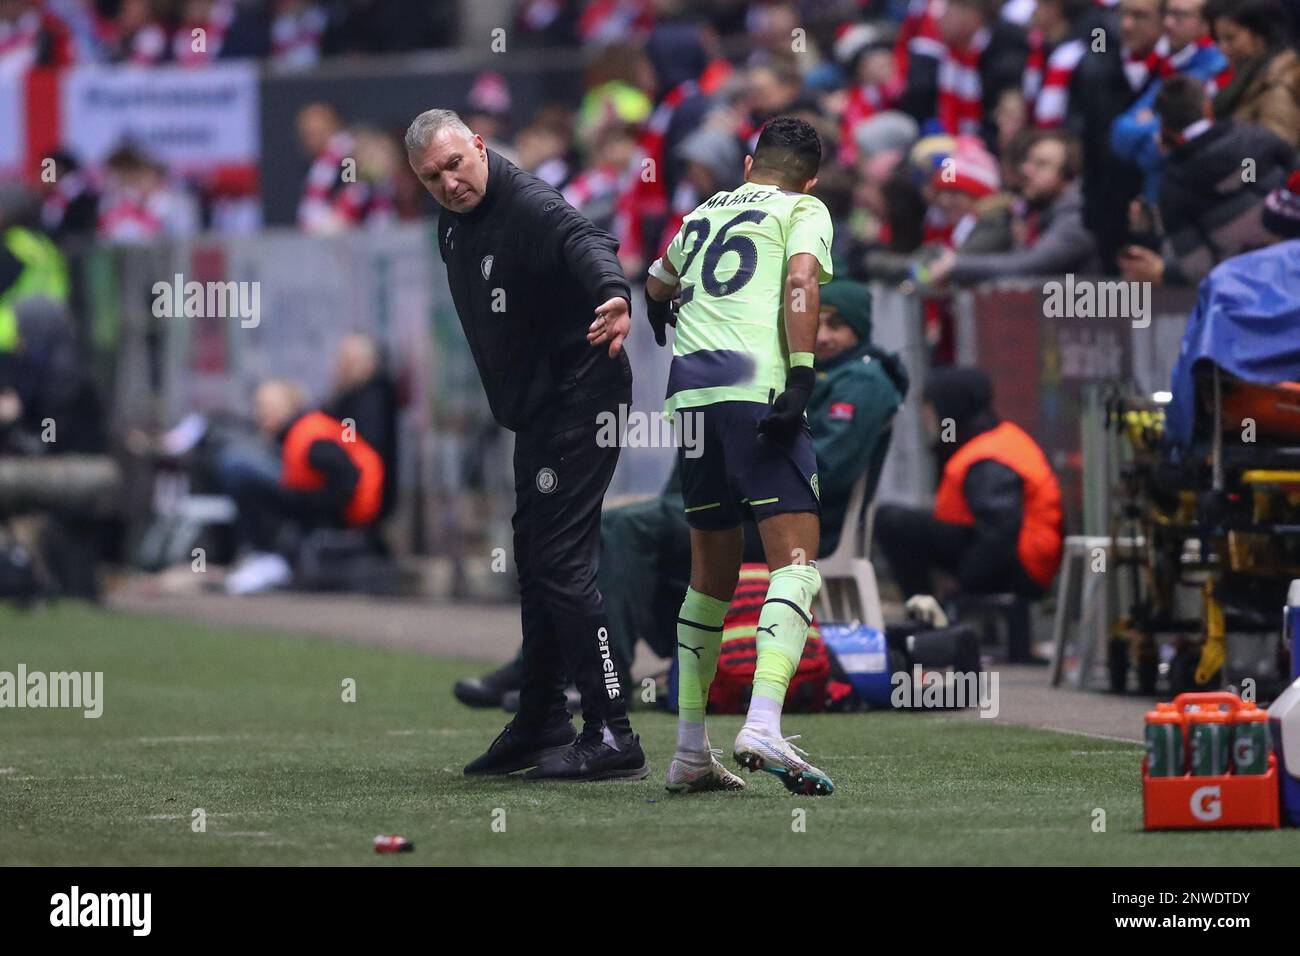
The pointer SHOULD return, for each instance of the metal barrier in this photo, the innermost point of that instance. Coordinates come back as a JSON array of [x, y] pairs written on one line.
[[455, 463], [1045, 366]]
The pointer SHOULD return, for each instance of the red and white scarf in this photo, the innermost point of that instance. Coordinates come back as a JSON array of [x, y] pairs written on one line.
[[919, 33], [1046, 85], [1176, 62], [961, 89], [598, 182], [322, 179], [863, 103], [19, 44], [1138, 70], [128, 217], [296, 37], [642, 197]]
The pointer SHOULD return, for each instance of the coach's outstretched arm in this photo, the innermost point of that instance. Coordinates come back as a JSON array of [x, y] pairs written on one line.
[[571, 242], [802, 305]]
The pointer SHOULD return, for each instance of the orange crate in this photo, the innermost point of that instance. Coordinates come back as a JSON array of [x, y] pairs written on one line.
[[1210, 802], [1213, 802]]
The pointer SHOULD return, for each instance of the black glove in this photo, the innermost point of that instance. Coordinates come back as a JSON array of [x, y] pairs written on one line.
[[661, 315], [786, 417]]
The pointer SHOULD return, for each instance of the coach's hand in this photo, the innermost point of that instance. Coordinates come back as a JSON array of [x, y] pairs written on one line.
[[786, 417], [661, 315], [612, 325]]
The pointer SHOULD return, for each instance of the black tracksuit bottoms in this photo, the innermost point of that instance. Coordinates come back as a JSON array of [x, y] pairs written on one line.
[[560, 484]]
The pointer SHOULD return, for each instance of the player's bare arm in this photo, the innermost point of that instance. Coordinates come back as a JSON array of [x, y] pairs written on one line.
[[802, 302]]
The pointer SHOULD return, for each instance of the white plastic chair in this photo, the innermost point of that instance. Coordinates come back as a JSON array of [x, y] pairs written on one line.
[[849, 591]]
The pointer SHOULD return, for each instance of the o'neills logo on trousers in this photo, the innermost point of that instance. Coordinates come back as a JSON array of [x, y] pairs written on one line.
[[612, 687]]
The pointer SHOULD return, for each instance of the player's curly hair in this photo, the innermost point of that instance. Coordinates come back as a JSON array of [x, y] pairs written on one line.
[[789, 148]]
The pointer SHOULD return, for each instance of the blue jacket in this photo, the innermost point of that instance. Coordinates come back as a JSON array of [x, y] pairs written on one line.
[[1133, 134]]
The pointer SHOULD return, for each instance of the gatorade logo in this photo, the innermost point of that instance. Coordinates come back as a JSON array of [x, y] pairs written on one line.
[[1243, 751], [1207, 804]]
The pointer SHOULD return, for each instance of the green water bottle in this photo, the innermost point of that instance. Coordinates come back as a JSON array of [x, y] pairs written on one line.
[[1210, 736], [1250, 743], [1164, 734]]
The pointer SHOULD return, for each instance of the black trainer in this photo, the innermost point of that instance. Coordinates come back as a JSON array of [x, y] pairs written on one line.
[[598, 754], [490, 689], [518, 748]]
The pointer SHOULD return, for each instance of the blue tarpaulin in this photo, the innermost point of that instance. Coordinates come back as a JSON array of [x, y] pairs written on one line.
[[1246, 321]]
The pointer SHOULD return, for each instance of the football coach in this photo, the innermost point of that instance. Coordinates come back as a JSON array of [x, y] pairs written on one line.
[[545, 309]]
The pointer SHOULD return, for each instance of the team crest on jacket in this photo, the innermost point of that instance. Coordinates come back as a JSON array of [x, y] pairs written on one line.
[[546, 481], [486, 266], [816, 488]]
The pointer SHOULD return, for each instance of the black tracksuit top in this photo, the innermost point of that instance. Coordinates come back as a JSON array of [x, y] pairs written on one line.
[[526, 272]]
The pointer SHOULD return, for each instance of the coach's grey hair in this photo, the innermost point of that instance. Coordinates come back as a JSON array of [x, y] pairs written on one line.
[[428, 125]]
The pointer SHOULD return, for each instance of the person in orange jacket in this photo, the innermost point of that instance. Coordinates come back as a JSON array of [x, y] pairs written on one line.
[[329, 476], [996, 524]]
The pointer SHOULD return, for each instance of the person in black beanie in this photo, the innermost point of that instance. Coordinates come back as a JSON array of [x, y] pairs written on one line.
[[996, 523]]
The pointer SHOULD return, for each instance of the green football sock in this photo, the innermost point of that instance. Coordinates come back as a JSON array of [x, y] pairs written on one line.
[[699, 639], [782, 627]]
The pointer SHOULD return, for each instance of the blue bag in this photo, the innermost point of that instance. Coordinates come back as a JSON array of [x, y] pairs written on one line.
[[863, 655]]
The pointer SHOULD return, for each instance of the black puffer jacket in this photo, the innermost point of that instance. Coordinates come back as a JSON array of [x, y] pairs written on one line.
[[1210, 209], [526, 272]]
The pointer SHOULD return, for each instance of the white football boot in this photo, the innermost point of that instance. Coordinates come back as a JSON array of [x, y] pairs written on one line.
[[691, 773], [758, 750]]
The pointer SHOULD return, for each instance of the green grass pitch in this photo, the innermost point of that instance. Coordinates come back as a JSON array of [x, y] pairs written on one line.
[[252, 728]]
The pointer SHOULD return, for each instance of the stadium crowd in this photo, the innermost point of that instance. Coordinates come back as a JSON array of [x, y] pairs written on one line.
[[289, 34], [964, 145]]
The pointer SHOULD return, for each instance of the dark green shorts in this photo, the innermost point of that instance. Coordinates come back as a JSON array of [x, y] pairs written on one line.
[[733, 472]]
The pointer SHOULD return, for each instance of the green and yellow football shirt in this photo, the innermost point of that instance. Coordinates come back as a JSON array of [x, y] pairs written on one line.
[[730, 256]]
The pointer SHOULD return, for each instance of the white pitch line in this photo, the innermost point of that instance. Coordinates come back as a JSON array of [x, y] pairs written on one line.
[[440, 731], [59, 776], [1086, 733], [211, 816], [198, 739]]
